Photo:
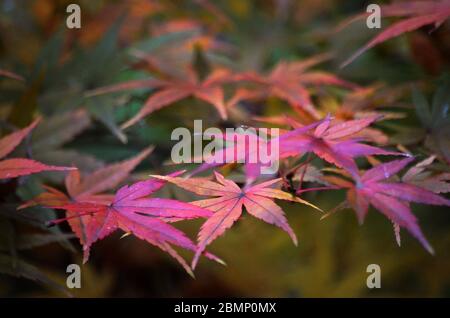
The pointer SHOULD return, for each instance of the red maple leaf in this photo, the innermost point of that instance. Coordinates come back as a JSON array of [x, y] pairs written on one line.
[[335, 143], [289, 81], [87, 191], [417, 14], [368, 133], [132, 211], [389, 197], [15, 167], [175, 89], [228, 203], [91, 187]]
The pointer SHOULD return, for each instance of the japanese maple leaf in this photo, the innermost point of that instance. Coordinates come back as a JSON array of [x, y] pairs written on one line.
[[416, 14], [228, 203], [389, 197], [335, 143], [132, 211], [368, 133], [173, 90], [289, 81], [15, 167], [91, 187]]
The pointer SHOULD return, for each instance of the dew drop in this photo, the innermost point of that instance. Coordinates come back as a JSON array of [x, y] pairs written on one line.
[[386, 173]]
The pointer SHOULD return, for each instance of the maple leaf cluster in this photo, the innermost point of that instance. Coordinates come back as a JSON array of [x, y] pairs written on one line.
[[93, 214], [345, 142]]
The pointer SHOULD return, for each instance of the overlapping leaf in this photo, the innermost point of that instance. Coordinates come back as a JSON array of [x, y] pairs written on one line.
[[335, 143], [172, 90], [421, 177], [290, 81], [92, 187], [132, 211], [389, 197], [89, 189], [15, 167], [228, 203]]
